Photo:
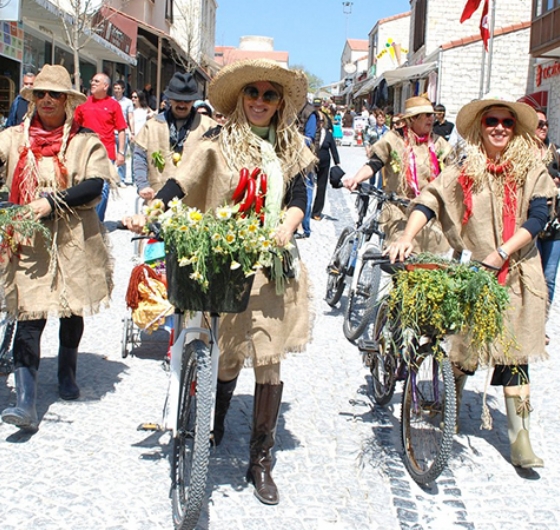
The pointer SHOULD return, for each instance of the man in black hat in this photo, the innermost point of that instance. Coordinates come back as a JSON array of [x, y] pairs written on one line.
[[159, 146]]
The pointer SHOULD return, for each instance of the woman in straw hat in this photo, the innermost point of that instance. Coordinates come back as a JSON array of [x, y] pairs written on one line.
[[495, 204], [411, 157], [57, 169], [261, 100]]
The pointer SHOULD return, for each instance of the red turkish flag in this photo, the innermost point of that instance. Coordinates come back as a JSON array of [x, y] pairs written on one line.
[[470, 7], [484, 25]]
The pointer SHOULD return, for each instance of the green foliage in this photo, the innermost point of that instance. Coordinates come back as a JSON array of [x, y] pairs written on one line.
[[313, 81]]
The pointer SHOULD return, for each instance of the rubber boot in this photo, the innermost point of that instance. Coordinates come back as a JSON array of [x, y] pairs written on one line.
[[224, 393], [460, 381], [67, 361], [266, 408], [24, 414], [518, 411]]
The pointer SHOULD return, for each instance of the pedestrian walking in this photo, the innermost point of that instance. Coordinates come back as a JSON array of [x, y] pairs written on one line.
[[494, 205], [19, 106], [261, 100], [128, 114], [56, 168]]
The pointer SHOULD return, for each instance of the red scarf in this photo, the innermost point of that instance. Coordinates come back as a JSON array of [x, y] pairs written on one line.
[[509, 207], [411, 169], [42, 143]]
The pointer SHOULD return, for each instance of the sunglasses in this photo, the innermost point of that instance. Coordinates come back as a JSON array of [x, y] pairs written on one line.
[[492, 121], [542, 124], [40, 94], [252, 93], [134, 97]]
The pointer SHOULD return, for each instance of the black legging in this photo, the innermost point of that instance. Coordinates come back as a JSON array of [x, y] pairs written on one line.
[[507, 375], [27, 340]]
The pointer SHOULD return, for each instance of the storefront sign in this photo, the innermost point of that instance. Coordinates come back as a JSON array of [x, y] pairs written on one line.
[[106, 29], [546, 72]]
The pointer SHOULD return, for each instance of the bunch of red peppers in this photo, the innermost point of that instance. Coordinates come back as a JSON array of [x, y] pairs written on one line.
[[250, 192]]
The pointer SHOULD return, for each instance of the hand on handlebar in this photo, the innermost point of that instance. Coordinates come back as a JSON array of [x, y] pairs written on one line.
[[135, 223], [399, 250], [350, 183]]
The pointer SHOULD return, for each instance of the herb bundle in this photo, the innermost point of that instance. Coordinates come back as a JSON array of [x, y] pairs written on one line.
[[448, 299]]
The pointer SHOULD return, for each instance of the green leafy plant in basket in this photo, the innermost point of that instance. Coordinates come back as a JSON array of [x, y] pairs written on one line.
[[443, 298], [17, 228], [211, 242]]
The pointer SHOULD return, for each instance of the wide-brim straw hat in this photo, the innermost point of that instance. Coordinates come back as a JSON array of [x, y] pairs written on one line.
[[228, 83], [56, 79], [417, 105], [525, 116]]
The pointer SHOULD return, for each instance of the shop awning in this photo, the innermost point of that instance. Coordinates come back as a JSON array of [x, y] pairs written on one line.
[[408, 73], [368, 87], [537, 100]]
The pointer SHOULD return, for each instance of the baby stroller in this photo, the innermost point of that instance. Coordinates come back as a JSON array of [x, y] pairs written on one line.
[[146, 297]]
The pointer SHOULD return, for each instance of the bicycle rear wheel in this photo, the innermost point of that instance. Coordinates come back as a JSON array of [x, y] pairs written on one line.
[[191, 446], [383, 360], [362, 299], [7, 328], [428, 416], [337, 267]]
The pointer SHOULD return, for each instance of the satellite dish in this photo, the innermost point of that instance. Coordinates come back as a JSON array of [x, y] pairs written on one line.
[[350, 68]]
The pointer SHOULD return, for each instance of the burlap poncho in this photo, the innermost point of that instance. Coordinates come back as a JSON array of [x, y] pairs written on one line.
[[391, 150], [79, 279], [272, 325], [154, 137], [526, 316]]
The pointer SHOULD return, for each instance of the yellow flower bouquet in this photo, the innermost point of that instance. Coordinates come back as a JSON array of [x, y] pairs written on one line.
[[212, 257]]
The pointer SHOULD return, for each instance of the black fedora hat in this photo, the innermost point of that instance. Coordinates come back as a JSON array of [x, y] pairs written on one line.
[[183, 87]]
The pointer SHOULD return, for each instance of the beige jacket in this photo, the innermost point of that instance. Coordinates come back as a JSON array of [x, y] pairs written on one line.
[[75, 279]]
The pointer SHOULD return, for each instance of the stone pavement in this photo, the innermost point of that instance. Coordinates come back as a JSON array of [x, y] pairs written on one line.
[[338, 456]]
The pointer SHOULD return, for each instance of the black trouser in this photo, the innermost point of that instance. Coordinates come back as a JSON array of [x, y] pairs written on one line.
[[507, 375], [322, 179], [27, 340]]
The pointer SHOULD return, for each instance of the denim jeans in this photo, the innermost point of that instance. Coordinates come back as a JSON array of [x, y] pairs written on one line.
[[306, 223], [121, 170], [550, 257]]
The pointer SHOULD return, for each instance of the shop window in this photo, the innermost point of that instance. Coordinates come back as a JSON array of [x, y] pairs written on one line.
[[169, 11]]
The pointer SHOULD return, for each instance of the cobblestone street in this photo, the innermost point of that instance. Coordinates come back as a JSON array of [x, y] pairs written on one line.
[[338, 456]]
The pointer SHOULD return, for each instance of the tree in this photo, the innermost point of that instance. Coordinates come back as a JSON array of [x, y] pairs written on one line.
[[188, 31], [313, 81], [82, 21]]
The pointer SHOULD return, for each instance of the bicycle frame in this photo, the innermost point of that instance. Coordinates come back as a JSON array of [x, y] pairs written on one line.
[[191, 331]]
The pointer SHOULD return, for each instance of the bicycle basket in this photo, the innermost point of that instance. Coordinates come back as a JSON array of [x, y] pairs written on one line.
[[228, 291]]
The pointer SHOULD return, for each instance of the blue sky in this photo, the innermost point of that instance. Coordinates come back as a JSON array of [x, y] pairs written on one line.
[[312, 31]]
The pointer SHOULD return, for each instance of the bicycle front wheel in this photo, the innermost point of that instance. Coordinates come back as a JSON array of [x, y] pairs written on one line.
[[428, 416], [383, 361], [7, 328], [191, 446], [362, 300], [336, 269]]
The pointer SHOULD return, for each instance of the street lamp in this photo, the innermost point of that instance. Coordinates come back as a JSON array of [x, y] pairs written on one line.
[[347, 10]]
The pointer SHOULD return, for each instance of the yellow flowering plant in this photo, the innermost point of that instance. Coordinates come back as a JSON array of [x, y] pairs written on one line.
[[438, 298], [209, 243]]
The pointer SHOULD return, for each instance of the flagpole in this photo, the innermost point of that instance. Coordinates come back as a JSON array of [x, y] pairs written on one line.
[[491, 43], [482, 70]]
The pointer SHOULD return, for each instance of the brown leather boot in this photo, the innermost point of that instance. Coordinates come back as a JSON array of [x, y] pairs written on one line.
[[224, 393], [266, 408]]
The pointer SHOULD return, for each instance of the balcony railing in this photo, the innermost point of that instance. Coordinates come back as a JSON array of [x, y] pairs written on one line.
[[545, 33]]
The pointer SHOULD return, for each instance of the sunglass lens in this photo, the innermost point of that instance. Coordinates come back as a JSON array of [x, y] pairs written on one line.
[[270, 96], [490, 121], [251, 92], [508, 123], [542, 124]]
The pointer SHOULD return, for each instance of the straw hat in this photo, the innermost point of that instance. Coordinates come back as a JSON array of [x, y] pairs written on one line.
[[417, 105], [526, 117], [57, 79], [226, 86]]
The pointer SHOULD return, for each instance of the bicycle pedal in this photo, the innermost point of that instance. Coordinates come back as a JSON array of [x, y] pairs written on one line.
[[367, 345], [153, 427]]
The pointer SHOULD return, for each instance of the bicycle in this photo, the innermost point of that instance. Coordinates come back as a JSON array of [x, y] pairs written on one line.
[[428, 413], [7, 328], [193, 374]]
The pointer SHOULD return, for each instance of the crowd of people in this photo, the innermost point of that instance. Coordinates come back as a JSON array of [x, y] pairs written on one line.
[[494, 200]]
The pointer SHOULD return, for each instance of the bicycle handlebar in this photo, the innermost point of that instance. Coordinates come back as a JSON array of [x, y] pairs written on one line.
[[369, 190], [155, 231]]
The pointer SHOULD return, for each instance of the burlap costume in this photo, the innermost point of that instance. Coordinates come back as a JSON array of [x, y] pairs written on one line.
[[154, 137], [526, 316], [391, 150], [272, 325], [79, 280]]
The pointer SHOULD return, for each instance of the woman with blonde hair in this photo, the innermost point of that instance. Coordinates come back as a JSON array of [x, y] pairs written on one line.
[[56, 169], [494, 204], [261, 100]]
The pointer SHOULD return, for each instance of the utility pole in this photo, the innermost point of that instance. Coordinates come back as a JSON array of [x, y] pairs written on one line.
[[347, 10]]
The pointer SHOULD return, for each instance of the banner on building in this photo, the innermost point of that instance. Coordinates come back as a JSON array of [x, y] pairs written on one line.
[[10, 10]]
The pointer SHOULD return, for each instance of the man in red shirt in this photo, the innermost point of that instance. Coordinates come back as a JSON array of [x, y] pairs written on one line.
[[103, 115]]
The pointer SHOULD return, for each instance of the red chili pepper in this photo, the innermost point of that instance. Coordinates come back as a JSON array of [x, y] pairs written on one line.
[[255, 173], [264, 183], [242, 185], [249, 196], [259, 203]]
